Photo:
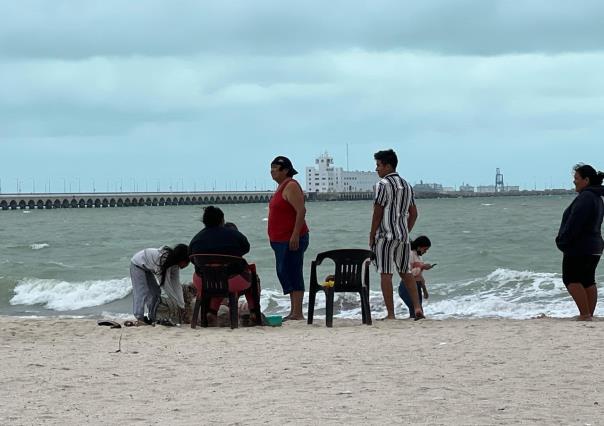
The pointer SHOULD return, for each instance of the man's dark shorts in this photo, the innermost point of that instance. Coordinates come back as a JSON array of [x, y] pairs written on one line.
[[290, 264], [579, 269]]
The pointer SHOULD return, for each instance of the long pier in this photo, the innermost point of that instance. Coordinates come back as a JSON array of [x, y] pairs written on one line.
[[127, 199], [139, 199]]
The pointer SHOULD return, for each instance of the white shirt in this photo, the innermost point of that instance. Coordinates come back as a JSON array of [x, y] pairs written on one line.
[[149, 259], [416, 264]]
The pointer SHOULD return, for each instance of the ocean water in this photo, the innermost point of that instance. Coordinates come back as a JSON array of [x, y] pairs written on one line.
[[496, 256]]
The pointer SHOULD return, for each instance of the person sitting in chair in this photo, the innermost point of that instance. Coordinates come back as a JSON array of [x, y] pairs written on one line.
[[220, 238]]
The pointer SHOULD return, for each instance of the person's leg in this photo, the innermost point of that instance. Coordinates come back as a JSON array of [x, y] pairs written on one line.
[[280, 250], [384, 260], [404, 294], [281, 255], [419, 294], [409, 281], [197, 283], [297, 304], [403, 259], [153, 296], [590, 283], [574, 275], [295, 269], [579, 295], [387, 294], [139, 291], [241, 285], [592, 298]]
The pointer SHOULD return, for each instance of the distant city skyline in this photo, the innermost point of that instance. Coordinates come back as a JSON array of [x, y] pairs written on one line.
[[206, 94], [156, 185]]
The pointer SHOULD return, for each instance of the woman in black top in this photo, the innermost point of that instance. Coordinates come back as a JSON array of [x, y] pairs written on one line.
[[580, 239]]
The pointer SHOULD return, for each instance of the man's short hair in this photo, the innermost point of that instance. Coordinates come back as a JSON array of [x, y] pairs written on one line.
[[212, 217], [387, 157]]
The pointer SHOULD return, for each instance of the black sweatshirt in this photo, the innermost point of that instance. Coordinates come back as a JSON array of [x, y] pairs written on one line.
[[580, 232]]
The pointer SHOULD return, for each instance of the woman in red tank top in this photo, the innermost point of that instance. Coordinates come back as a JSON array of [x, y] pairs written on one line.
[[288, 233]]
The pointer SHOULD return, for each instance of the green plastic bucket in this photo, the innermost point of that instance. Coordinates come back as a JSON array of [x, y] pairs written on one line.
[[274, 320]]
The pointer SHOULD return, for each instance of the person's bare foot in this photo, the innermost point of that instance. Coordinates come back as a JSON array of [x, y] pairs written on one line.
[[419, 315], [292, 317], [583, 318], [387, 318]]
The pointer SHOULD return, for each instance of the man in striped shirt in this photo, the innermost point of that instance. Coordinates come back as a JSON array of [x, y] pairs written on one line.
[[394, 214]]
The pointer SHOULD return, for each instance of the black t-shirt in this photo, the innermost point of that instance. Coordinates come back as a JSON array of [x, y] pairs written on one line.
[[219, 240]]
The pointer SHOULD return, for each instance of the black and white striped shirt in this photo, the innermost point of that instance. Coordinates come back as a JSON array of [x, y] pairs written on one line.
[[396, 196]]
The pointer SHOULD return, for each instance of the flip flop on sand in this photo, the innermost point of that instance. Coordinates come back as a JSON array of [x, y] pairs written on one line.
[[138, 323], [111, 324]]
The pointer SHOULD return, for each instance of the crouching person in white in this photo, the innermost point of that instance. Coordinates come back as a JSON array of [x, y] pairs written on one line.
[[151, 270]]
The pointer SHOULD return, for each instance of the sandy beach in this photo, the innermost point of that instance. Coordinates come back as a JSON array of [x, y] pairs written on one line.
[[68, 371]]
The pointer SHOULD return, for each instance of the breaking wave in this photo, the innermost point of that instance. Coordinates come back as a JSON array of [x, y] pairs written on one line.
[[504, 293], [67, 296]]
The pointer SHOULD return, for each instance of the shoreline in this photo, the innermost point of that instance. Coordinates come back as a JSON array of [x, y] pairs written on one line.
[[483, 371]]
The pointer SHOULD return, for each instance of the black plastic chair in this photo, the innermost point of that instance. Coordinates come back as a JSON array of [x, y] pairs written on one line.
[[349, 277], [215, 271]]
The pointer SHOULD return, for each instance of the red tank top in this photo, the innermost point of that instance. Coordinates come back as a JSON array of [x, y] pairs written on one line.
[[282, 216]]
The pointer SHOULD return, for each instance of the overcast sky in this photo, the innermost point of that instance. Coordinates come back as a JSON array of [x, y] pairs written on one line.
[[197, 94]]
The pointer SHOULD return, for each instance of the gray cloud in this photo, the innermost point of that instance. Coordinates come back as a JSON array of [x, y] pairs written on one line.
[[158, 90], [71, 29]]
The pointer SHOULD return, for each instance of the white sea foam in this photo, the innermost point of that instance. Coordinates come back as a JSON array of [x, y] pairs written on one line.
[[117, 316], [504, 293], [265, 219], [66, 296], [39, 246]]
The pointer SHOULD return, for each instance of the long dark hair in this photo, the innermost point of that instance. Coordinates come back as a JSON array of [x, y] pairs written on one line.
[[587, 171], [421, 241], [171, 257]]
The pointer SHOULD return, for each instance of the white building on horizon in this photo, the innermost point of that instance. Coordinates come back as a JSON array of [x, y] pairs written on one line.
[[427, 187], [485, 189], [325, 177]]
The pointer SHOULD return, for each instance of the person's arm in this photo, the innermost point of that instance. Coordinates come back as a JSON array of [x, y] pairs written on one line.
[[424, 288], [413, 214], [416, 268], [378, 213], [293, 195], [244, 244], [417, 265], [580, 213]]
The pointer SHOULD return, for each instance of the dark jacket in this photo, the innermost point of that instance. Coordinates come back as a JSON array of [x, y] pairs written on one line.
[[219, 240], [580, 232]]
